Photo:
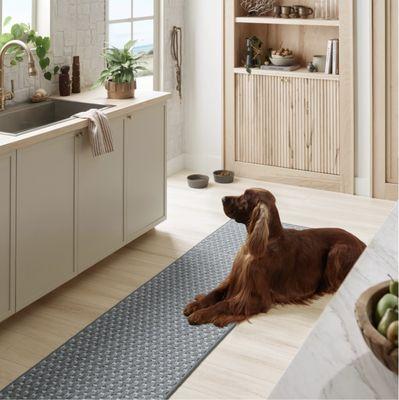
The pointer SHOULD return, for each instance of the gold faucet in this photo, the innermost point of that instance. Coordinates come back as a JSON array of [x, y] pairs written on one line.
[[9, 95]]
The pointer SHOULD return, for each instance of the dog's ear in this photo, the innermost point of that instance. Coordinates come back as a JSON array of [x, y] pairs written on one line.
[[258, 230]]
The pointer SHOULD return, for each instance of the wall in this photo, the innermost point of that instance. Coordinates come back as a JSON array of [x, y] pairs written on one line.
[[172, 15], [78, 28], [203, 84]]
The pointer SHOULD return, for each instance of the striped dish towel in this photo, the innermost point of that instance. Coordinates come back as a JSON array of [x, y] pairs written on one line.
[[99, 131]]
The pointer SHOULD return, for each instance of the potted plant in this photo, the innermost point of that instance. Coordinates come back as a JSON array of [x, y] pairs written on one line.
[[122, 68]]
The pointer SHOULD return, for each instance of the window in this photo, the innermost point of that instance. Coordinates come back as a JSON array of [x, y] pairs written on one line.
[[19, 11], [137, 20]]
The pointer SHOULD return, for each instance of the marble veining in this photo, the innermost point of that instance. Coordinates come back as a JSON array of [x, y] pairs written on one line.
[[334, 361]]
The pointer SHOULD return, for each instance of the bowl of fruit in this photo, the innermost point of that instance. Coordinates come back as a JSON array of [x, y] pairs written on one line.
[[377, 316], [282, 57]]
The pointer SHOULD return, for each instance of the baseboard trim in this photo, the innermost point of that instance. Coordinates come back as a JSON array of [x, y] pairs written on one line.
[[362, 187]]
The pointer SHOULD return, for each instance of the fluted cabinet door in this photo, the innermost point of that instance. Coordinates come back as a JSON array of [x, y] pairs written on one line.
[[288, 122]]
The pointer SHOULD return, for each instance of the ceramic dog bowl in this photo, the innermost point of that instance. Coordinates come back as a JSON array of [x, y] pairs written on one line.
[[198, 181], [223, 176]]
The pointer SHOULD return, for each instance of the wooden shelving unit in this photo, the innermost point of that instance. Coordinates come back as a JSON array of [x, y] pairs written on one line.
[[288, 21], [293, 127], [298, 73]]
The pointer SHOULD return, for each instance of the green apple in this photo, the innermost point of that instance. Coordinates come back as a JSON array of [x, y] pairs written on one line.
[[389, 300], [390, 316], [392, 332], [393, 287]]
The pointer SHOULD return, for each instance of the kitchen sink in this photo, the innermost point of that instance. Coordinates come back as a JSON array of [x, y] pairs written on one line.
[[22, 118]]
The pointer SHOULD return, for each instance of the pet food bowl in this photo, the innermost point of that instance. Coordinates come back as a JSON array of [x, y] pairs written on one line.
[[223, 176], [198, 181]]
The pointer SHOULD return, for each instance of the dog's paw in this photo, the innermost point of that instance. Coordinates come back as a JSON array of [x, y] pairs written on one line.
[[191, 307], [196, 318]]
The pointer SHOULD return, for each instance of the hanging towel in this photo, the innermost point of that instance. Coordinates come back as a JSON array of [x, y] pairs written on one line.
[[99, 131]]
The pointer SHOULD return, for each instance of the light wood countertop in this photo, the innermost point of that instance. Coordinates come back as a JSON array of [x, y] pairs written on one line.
[[98, 96]]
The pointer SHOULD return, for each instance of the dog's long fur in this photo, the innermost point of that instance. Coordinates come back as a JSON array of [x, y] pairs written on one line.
[[275, 265]]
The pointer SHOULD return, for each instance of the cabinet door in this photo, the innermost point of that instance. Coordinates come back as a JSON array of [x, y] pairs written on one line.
[[290, 123], [144, 169], [99, 200], [7, 199], [45, 218]]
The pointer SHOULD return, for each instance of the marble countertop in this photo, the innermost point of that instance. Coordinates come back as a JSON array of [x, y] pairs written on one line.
[[97, 96], [335, 362]]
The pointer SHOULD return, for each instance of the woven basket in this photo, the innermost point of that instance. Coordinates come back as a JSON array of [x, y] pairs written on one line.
[[382, 348]]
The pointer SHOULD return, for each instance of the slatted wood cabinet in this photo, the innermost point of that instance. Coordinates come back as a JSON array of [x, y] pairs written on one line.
[[292, 127]]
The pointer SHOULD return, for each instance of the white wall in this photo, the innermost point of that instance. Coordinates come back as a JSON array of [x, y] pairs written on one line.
[[203, 84], [172, 15]]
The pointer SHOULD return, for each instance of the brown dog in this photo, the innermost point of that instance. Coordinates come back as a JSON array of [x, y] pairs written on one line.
[[275, 265]]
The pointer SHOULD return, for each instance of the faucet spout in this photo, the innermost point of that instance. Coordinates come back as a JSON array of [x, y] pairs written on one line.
[[4, 95]]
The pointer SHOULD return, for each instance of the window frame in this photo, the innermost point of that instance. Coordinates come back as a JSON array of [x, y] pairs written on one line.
[[34, 15], [157, 42]]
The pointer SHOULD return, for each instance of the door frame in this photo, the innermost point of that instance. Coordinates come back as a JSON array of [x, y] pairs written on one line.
[[381, 188]]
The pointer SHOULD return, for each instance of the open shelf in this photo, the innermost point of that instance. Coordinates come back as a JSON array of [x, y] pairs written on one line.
[[299, 73], [287, 21]]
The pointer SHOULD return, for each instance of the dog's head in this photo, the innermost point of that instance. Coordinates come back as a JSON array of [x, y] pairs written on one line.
[[257, 210]]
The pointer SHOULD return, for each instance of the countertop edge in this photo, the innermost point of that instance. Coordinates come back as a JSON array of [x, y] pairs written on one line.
[[119, 108]]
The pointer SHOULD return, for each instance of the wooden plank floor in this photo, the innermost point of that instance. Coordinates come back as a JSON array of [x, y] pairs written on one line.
[[248, 363]]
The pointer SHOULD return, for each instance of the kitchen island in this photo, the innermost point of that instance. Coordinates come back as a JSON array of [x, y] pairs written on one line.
[[335, 362]]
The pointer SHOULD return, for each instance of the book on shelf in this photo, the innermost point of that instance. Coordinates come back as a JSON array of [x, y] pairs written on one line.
[[332, 57], [280, 68], [335, 57], [328, 68]]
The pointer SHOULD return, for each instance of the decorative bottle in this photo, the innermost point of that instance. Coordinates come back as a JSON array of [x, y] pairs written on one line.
[[76, 75], [65, 81]]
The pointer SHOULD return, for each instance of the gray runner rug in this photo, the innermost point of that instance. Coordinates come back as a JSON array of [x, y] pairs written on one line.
[[143, 348]]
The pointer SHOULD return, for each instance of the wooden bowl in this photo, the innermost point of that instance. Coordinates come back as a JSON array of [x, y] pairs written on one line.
[[382, 348]]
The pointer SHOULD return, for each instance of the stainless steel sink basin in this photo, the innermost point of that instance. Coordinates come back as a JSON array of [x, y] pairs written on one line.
[[22, 118]]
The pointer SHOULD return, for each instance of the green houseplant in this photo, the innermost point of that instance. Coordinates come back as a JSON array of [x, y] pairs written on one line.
[[122, 68], [42, 45]]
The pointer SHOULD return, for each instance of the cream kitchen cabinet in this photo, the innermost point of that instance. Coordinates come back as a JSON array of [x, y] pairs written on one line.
[[44, 218], [7, 231], [99, 199], [63, 210], [144, 170]]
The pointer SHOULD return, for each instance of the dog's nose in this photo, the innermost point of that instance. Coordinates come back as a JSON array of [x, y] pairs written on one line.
[[225, 200]]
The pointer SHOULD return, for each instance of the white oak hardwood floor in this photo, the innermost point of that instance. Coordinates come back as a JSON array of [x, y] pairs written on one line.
[[251, 359]]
